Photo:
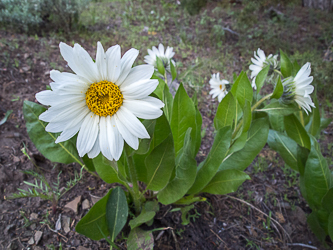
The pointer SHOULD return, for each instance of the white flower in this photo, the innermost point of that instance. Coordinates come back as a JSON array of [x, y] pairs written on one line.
[[259, 62], [300, 88], [219, 88], [102, 101], [164, 56]]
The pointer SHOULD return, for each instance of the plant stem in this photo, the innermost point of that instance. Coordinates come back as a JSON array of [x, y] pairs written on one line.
[[301, 117], [165, 77], [252, 109], [132, 174], [278, 71]]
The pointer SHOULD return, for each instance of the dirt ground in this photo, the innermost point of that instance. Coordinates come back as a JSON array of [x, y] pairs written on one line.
[[238, 221]]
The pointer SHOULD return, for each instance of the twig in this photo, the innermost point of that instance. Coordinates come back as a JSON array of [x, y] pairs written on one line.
[[231, 31], [175, 239], [301, 245], [219, 237], [231, 197]]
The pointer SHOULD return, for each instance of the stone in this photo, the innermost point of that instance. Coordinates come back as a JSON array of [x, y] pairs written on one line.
[[73, 205], [33, 216], [94, 199], [65, 223], [31, 241], [300, 215], [85, 204], [38, 236]]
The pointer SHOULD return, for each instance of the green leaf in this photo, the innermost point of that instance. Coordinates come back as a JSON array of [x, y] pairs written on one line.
[[140, 239], [160, 87], [238, 144], [302, 157], [277, 108], [244, 90], [198, 122], [315, 226], [3, 120], [225, 112], [184, 211], [296, 131], [142, 218], [286, 147], [145, 143], [185, 175], [286, 65], [159, 65], [95, 220], [116, 212], [247, 116], [278, 90], [261, 77], [315, 121], [226, 181], [296, 68], [168, 102], [324, 122], [330, 226], [63, 152], [88, 163], [107, 171], [173, 70], [160, 164], [257, 137], [215, 157], [327, 201], [318, 179], [276, 122], [183, 117]]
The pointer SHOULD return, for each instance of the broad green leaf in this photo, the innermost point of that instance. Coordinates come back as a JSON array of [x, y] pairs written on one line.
[[286, 65], [226, 181], [257, 137], [315, 226], [145, 143], [95, 220], [244, 90], [277, 108], [278, 90], [63, 152], [330, 226], [276, 122], [186, 169], [173, 70], [225, 112], [198, 122], [183, 117], [247, 116], [88, 163], [236, 83], [324, 122], [261, 77], [168, 102], [215, 157], [116, 212], [160, 164], [143, 217], [286, 147], [302, 157], [296, 131], [140, 239], [315, 121], [327, 201], [105, 170], [160, 87], [159, 65], [238, 144], [317, 176]]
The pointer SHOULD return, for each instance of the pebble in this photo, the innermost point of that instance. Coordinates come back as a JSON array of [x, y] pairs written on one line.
[[38, 236], [33, 216], [73, 205], [85, 204], [31, 241]]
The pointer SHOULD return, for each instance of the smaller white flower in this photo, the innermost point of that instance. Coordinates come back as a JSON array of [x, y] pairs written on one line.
[[300, 88], [259, 62], [219, 87], [165, 56]]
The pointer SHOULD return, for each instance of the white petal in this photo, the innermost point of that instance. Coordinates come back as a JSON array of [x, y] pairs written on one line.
[[114, 63], [88, 134], [144, 109], [47, 97], [104, 140], [62, 113], [126, 64], [101, 62], [139, 89], [117, 142], [95, 150], [130, 139], [138, 73]]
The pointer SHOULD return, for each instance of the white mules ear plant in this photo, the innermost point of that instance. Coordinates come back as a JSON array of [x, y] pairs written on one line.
[[112, 113]]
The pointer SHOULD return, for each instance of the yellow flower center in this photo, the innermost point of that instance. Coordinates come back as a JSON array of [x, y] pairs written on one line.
[[220, 86], [104, 98]]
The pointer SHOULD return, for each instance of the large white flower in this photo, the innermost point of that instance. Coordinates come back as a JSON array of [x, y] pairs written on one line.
[[259, 62], [300, 88], [164, 56], [219, 87], [102, 100]]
